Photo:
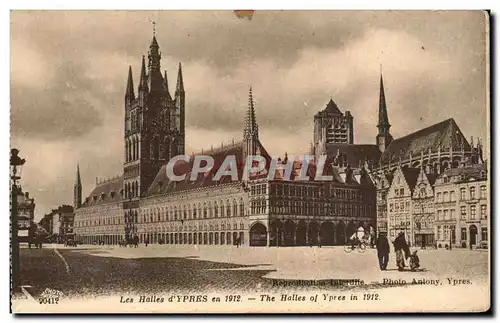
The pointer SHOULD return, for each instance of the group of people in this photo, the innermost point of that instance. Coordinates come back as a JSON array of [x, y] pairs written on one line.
[[401, 249]]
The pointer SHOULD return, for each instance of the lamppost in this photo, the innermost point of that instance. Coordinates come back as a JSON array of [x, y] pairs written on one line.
[[16, 164]]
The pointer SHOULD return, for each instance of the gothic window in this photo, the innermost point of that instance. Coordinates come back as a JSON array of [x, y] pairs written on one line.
[[166, 145], [216, 210], [204, 210], [160, 150], [127, 147], [235, 208], [242, 208], [194, 211], [221, 209], [134, 149], [228, 208]]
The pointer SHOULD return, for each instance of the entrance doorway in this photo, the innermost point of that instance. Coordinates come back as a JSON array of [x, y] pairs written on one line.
[[473, 235]]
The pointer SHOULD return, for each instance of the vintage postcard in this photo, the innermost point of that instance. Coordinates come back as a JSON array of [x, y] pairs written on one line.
[[250, 161]]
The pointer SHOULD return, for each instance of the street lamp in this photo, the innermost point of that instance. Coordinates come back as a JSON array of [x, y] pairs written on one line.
[[16, 164]]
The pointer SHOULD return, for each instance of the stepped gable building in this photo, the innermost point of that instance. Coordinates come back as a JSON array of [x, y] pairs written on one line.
[[145, 203]]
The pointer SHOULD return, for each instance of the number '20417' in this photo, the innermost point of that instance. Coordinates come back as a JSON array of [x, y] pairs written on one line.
[[49, 300]]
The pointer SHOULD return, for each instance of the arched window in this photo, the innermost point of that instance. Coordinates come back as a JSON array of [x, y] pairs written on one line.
[[175, 213], [154, 148], [235, 208], [242, 208], [221, 208], [127, 151], [216, 210], [160, 149], [205, 213], [194, 211], [228, 208], [134, 149], [166, 147]]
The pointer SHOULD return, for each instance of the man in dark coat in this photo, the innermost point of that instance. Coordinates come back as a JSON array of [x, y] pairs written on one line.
[[382, 251], [402, 250]]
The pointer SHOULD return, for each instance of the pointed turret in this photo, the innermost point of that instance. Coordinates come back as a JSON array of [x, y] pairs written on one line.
[[180, 105], [129, 94], [165, 82], [251, 127], [180, 81], [143, 83], [384, 137], [383, 118], [154, 56], [77, 191], [251, 130]]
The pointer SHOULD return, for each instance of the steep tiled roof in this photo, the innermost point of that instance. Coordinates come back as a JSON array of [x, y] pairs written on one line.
[[411, 176], [432, 178], [356, 154], [443, 134], [471, 171], [96, 196], [332, 108]]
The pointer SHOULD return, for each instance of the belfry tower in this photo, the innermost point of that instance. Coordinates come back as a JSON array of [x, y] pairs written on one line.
[[154, 128]]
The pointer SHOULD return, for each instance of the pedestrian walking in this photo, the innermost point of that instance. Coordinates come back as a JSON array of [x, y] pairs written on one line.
[[402, 251], [383, 250]]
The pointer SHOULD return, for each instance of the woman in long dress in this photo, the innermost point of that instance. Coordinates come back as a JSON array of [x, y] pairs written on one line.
[[402, 250]]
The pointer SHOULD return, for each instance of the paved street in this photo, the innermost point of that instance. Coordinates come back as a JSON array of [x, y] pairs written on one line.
[[104, 270]]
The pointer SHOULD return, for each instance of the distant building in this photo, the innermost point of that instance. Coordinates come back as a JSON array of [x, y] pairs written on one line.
[[462, 207], [59, 223]]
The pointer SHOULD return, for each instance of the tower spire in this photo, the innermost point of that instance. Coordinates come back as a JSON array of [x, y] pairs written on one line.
[[180, 81], [251, 130], [251, 127], [384, 137], [77, 190], [143, 83], [129, 94], [78, 178], [383, 119], [165, 80]]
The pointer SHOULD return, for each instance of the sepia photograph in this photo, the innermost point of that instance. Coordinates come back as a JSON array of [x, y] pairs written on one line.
[[250, 161]]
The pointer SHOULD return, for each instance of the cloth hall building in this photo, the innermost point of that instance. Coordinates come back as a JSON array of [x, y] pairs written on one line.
[[261, 211]]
